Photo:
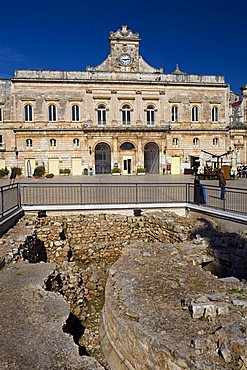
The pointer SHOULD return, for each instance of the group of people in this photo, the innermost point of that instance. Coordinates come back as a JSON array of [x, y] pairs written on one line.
[[242, 171], [200, 192]]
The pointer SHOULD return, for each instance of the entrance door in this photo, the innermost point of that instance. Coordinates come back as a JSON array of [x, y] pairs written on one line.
[[76, 166], [102, 158], [151, 158], [29, 167], [175, 167], [53, 166], [194, 162], [2, 163], [127, 165]]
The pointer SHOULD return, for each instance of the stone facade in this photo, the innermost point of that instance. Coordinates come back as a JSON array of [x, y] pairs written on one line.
[[122, 113]]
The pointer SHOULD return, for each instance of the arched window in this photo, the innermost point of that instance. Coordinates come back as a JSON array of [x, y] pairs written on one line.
[[101, 114], [174, 113], [150, 115], [175, 141], [127, 146], [75, 113], [76, 143], [195, 114], [52, 113], [28, 113], [53, 143], [196, 141], [126, 119], [29, 143], [215, 114], [215, 141]]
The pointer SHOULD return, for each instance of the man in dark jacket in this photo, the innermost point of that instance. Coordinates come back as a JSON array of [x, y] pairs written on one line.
[[222, 184]]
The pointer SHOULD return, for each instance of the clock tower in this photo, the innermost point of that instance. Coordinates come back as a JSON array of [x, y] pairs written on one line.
[[124, 54]]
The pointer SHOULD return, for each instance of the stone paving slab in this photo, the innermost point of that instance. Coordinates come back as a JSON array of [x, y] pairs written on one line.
[[31, 335], [108, 179]]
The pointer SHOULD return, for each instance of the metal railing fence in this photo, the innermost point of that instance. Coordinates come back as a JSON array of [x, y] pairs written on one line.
[[235, 198], [75, 194], [122, 193], [98, 194], [9, 199]]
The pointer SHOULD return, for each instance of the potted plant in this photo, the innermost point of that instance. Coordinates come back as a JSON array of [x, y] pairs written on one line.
[[64, 171], [39, 172], [49, 175], [141, 171], [116, 171], [4, 172]]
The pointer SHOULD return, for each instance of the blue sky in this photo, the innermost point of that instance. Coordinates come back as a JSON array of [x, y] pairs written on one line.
[[202, 36]]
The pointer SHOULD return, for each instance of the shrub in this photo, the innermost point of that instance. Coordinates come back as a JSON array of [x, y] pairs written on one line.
[[141, 170], [49, 175], [39, 171], [64, 171], [116, 170], [4, 172]]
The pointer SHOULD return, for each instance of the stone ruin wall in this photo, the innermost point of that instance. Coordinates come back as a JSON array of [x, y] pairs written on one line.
[[93, 238], [79, 234]]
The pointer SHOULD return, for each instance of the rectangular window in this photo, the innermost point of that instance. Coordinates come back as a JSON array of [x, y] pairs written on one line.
[[195, 114], [75, 113], [101, 117], [52, 113]]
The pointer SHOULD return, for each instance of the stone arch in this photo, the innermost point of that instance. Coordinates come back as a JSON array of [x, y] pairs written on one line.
[[151, 158], [127, 145], [102, 155]]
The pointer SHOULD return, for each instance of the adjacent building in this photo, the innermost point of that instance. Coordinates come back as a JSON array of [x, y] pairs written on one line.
[[121, 113]]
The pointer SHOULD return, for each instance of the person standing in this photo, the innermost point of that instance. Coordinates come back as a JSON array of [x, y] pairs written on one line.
[[222, 184]]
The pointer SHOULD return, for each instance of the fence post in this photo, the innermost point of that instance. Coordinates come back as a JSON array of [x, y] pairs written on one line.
[[81, 193], [18, 195], [2, 208], [136, 193], [187, 192], [224, 202]]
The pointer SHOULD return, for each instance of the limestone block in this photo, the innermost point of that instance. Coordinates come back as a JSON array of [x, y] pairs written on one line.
[[225, 352]]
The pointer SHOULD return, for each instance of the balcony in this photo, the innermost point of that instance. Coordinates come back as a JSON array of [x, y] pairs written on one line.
[[115, 125]]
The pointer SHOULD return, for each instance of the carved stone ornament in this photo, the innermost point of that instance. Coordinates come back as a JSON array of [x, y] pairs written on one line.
[[124, 33]]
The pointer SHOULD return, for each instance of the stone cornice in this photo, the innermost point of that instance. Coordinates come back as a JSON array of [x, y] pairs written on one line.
[[94, 129]]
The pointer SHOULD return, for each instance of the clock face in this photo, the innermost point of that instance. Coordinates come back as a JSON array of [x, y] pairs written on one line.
[[125, 59]]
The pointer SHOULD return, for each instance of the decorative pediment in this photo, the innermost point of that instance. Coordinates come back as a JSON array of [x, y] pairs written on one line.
[[124, 33], [124, 55]]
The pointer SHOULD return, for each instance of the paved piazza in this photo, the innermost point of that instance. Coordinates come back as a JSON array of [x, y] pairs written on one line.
[[105, 179]]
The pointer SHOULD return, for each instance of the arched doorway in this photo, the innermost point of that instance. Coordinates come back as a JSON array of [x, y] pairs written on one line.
[[102, 158], [128, 158], [151, 158]]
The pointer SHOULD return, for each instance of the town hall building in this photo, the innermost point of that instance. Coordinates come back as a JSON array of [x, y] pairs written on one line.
[[122, 113]]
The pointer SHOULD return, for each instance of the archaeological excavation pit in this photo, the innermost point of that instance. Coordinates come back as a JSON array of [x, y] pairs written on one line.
[[160, 308]]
